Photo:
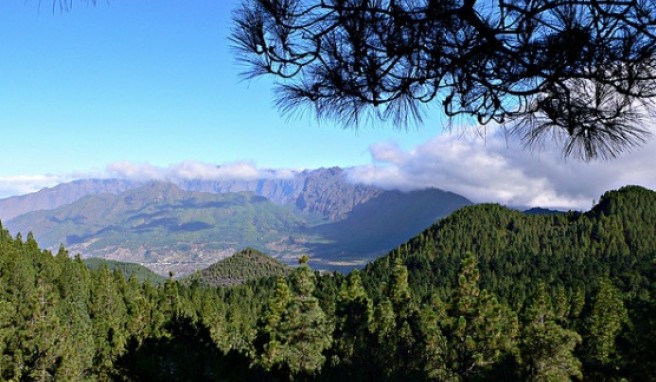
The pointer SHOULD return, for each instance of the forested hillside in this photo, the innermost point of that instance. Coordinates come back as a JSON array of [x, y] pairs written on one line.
[[128, 269], [616, 239], [486, 294], [248, 264]]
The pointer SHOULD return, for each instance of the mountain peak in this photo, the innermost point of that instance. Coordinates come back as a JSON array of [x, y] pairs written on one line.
[[247, 264], [625, 201]]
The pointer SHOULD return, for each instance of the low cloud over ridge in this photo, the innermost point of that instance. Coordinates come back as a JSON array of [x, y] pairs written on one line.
[[194, 170], [19, 185], [500, 169], [494, 169], [25, 184]]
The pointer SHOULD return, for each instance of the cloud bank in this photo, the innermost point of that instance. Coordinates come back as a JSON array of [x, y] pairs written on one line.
[[499, 169], [19, 185], [193, 170], [494, 169]]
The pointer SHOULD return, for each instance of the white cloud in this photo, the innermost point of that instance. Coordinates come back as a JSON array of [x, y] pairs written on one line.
[[193, 170], [19, 185], [497, 169], [134, 171], [494, 169]]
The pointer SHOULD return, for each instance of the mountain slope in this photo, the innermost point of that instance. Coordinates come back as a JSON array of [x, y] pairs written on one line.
[[161, 226], [128, 269], [616, 238], [324, 191], [341, 226], [245, 265], [600, 293], [60, 195], [384, 222]]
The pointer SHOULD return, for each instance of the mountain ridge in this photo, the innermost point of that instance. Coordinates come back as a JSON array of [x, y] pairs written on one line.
[[166, 228], [59, 195], [565, 248], [325, 190], [160, 224]]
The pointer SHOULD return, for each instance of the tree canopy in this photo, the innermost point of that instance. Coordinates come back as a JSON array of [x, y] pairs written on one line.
[[581, 71], [487, 294]]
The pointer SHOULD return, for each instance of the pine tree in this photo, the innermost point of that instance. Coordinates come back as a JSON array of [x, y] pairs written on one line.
[[34, 346], [212, 315], [547, 349], [604, 324], [305, 332], [138, 309], [268, 345], [78, 345], [108, 313], [170, 303], [353, 314], [434, 342], [397, 329], [481, 331], [45, 334], [383, 328], [408, 323], [7, 330]]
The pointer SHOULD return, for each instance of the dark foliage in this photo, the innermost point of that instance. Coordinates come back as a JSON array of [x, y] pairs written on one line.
[[486, 294], [186, 354], [580, 71]]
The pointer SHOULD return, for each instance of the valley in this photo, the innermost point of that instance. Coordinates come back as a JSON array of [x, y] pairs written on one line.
[[185, 226]]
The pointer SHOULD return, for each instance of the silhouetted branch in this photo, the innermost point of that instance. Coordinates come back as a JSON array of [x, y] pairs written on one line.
[[582, 70]]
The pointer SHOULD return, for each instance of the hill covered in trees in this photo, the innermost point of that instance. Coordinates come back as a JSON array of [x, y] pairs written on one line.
[[617, 239], [487, 294], [245, 265], [128, 269]]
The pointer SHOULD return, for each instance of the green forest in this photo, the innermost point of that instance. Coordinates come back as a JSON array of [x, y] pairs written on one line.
[[485, 294]]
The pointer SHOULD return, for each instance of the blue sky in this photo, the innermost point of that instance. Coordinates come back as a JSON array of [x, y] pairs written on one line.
[[152, 82], [135, 88]]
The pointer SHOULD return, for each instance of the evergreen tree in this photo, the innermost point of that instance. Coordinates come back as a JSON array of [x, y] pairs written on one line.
[[108, 313], [305, 332], [397, 329], [603, 325], [434, 342], [353, 314], [33, 349], [77, 347], [383, 345], [481, 331], [268, 345], [45, 334], [138, 309], [170, 303], [7, 330], [212, 315], [547, 349], [408, 323]]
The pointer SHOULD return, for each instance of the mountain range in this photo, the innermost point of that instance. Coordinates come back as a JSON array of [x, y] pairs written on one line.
[[326, 191], [185, 225]]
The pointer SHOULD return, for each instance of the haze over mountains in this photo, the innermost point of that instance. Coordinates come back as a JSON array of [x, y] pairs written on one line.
[[185, 225]]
